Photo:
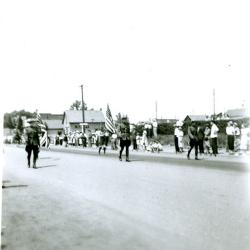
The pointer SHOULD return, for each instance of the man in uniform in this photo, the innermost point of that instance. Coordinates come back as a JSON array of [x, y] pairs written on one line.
[[124, 135], [32, 142]]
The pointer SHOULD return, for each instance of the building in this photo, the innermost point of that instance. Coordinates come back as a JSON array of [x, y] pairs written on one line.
[[195, 118], [72, 120], [237, 114], [160, 121], [53, 123]]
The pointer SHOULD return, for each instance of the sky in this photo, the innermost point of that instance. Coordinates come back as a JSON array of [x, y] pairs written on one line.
[[128, 54]]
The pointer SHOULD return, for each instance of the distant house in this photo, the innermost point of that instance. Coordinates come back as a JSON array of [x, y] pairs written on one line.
[[190, 118], [160, 121], [236, 114], [54, 124], [72, 120]]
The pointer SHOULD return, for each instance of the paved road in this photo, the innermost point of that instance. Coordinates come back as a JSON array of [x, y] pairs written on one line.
[[84, 201]]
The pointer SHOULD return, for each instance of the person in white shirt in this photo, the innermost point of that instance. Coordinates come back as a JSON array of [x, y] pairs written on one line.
[[180, 139], [144, 140], [245, 139], [214, 137], [230, 136]]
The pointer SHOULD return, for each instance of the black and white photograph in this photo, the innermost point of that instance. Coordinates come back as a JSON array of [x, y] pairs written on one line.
[[125, 125]]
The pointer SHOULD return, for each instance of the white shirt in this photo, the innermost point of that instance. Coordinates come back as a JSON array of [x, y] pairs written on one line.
[[176, 132], [214, 131], [230, 130]]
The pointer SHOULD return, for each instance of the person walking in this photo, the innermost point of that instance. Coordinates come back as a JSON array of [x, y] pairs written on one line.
[[201, 136], [214, 138], [32, 142], [192, 133], [124, 135], [103, 141]]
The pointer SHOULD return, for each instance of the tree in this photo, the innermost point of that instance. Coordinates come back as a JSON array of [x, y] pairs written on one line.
[[8, 121], [77, 105], [11, 119]]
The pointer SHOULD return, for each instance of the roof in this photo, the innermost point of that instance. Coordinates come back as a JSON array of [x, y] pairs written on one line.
[[237, 113], [91, 116], [49, 116], [165, 120], [54, 124], [197, 117]]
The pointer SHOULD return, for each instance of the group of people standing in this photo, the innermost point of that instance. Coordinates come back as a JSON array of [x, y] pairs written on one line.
[[204, 138], [201, 138], [238, 139]]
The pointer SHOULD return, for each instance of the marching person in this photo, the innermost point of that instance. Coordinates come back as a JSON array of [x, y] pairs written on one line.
[[124, 135], [192, 133], [201, 136], [103, 141], [32, 142]]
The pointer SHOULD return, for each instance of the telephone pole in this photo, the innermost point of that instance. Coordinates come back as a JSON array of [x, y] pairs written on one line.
[[83, 118], [156, 109]]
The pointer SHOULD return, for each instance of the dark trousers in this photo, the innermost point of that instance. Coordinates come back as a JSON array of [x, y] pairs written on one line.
[[134, 144], [193, 144], [124, 144], [176, 144], [230, 141], [29, 149], [201, 146], [214, 145]]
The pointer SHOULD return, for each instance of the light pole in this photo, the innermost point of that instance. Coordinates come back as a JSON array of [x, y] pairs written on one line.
[[83, 118]]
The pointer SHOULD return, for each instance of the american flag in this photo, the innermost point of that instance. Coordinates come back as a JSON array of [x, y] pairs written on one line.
[[39, 120], [44, 136], [109, 123]]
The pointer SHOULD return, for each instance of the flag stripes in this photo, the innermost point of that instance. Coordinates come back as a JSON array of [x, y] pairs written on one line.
[[44, 136], [109, 123]]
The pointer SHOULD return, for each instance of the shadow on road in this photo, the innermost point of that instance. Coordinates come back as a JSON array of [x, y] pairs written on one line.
[[47, 166], [14, 186]]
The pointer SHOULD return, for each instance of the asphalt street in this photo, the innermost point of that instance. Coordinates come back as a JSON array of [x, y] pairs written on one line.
[[77, 199]]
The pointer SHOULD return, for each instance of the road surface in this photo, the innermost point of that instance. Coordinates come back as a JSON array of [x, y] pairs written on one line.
[[80, 200]]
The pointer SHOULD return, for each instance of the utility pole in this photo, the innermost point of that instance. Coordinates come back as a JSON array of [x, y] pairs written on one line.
[[156, 110], [83, 118]]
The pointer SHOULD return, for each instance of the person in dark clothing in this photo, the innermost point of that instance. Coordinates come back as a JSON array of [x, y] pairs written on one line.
[[125, 142], [176, 141], [32, 142], [193, 137], [103, 141], [133, 137], [201, 136]]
